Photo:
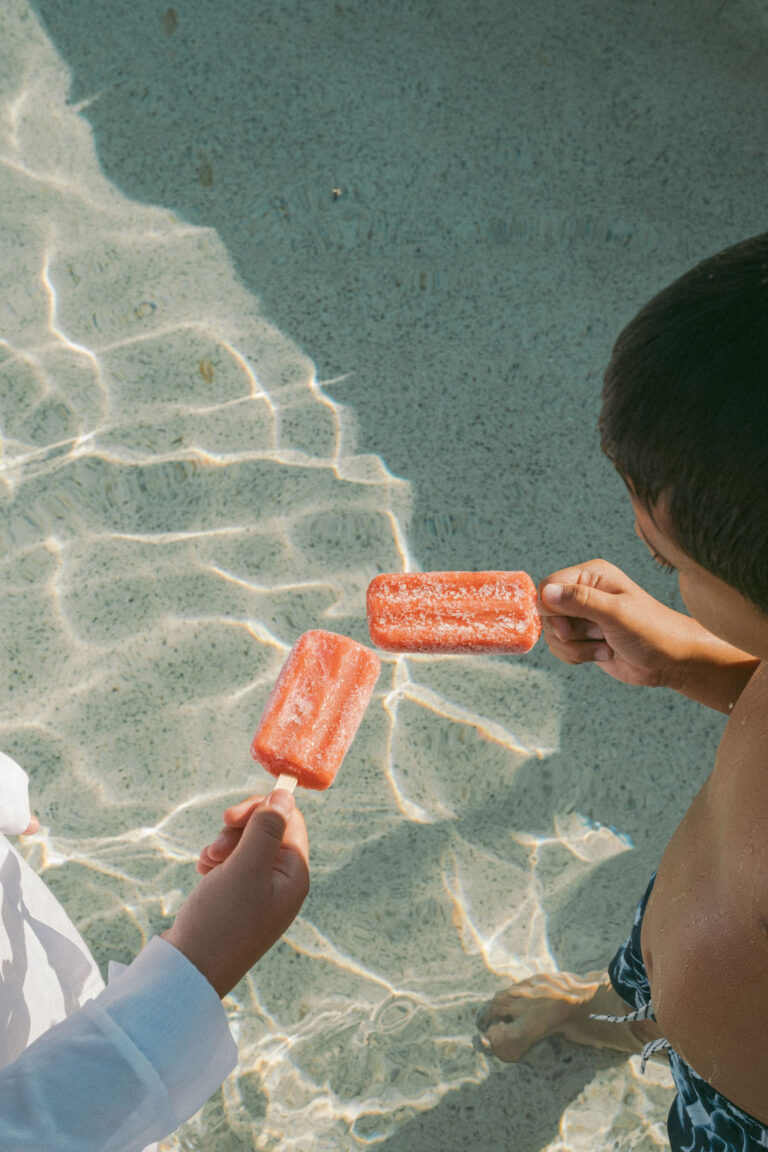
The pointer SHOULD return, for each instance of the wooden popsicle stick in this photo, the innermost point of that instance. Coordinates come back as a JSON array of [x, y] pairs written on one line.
[[286, 781]]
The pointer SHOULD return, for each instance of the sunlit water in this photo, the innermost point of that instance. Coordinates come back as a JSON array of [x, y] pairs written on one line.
[[180, 500]]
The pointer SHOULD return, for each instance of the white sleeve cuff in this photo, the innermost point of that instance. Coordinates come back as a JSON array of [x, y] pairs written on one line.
[[171, 1013], [14, 797]]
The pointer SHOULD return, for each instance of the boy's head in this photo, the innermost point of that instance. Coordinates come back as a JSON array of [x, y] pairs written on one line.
[[685, 415]]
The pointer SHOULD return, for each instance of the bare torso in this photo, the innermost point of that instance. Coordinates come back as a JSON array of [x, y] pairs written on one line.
[[705, 931]]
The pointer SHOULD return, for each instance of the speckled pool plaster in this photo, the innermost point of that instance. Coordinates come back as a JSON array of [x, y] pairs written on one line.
[[291, 295]]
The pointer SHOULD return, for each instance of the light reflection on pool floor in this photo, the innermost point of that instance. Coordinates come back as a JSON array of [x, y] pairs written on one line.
[[179, 500]]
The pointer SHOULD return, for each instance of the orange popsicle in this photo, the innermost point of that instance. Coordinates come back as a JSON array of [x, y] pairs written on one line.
[[315, 709], [453, 612]]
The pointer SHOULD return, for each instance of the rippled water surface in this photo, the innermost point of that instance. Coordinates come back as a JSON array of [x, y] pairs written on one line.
[[180, 497]]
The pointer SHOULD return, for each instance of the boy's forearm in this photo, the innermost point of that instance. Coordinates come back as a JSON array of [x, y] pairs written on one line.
[[713, 672]]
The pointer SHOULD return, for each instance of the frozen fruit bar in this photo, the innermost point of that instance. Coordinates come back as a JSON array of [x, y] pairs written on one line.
[[315, 708], [453, 612]]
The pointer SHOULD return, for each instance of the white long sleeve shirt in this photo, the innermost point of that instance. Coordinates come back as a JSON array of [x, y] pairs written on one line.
[[84, 1068]]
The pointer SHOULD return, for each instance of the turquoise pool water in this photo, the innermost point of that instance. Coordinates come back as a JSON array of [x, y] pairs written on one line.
[[292, 295]]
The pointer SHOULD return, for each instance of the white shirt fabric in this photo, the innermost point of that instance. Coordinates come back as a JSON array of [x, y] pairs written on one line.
[[84, 1068]]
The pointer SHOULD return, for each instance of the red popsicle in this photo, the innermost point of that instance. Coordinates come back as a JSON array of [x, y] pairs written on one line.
[[453, 612], [315, 709]]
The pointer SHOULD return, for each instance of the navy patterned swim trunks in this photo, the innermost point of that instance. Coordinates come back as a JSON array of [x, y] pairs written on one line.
[[700, 1119]]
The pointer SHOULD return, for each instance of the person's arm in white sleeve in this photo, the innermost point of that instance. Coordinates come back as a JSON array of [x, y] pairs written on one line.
[[128, 1067], [125, 1069], [15, 816]]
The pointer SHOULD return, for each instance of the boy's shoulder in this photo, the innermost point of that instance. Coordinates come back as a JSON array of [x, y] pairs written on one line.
[[747, 726], [738, 789]]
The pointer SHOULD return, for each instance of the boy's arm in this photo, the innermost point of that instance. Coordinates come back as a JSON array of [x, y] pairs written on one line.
[[713, 672], [595, 613]]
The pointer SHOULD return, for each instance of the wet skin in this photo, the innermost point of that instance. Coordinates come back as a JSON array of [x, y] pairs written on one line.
[[705, 931]]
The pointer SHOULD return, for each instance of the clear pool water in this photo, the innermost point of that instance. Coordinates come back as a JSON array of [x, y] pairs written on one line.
[[292, 295]]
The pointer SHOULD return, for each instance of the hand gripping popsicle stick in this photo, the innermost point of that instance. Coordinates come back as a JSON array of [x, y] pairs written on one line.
[[315, 709], [453, 612]]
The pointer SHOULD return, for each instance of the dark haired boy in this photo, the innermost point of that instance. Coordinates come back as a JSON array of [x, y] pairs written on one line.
[[685, 422]]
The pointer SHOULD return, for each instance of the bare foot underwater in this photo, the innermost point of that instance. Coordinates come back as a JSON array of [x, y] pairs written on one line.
[[560, 1004]]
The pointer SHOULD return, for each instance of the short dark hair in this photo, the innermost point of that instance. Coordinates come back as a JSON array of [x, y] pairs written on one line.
[[685, 413]]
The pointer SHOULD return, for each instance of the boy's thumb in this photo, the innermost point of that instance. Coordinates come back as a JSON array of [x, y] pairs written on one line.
[[575, 600]]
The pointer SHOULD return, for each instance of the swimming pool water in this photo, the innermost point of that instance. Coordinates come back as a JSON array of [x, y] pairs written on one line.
[[290, 298]]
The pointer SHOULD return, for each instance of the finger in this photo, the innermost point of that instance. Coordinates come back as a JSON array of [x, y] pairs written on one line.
[[239, 814], [564, 629], [221, 848], [224, 844], [592, 574], [263, 834], [294, 851], [580, 601], [559, 627], [272, 846], [581, 651], [32, 827], [205, 862]]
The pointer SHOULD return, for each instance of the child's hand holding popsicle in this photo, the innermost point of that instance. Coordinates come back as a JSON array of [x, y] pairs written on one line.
[[235, 819], [598, 614], [594, 612], [237, 912]]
